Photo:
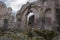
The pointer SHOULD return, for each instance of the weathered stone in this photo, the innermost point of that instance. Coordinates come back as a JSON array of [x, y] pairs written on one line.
[[45, 11], [6, 19]]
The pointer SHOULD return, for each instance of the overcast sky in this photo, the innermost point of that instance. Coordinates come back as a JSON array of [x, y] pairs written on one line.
[[15, 4]]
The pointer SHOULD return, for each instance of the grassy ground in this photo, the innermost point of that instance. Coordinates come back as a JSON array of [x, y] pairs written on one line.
[[14, 34]]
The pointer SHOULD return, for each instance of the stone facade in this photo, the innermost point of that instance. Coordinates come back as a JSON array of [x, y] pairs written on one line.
[[44, 15]]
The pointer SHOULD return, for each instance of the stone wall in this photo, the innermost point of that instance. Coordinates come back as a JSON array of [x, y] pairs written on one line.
[[45, 14], [6, 19]]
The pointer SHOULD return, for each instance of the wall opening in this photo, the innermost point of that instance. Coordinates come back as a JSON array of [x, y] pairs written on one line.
[[30, 19], [5, 25]]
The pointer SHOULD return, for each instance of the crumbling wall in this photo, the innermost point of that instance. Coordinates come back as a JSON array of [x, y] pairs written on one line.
[[45, 14], [5, 16]]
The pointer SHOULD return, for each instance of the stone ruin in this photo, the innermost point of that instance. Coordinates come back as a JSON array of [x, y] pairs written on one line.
[[46, 15], [6, 19]]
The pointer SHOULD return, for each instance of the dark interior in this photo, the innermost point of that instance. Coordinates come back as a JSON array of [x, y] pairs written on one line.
[[31, 20]]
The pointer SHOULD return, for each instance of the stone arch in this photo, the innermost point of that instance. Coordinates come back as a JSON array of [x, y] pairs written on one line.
[[30, 19], [27, 11], [48, 19]]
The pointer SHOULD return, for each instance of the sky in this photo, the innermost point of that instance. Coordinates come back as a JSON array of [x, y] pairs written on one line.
[[16, 4]]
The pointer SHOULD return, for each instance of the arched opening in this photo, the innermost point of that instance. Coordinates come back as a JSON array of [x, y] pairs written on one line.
[[48, 19], [30, 19]]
